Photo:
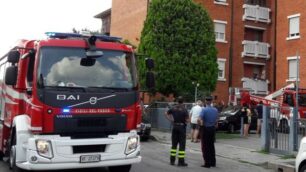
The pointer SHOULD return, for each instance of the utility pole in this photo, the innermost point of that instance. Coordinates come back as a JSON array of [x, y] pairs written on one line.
[[195, 90]]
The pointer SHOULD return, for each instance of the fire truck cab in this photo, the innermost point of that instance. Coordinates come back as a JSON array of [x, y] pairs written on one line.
[[70, 101]]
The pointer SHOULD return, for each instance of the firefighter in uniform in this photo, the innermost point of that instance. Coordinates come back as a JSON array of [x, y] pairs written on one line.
[[178, 115]]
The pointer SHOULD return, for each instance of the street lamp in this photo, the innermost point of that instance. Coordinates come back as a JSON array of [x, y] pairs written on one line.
[[196, 84]]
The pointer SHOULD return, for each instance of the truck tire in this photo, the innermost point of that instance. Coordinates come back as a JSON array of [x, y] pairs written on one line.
[[303, 168], [12, 159], [1, 156], [123, 168]]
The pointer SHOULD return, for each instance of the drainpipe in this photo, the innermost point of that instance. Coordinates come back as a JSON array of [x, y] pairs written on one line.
[[230, 61], [275, 52]]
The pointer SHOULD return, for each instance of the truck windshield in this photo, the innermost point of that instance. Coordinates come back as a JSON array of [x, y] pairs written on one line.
[[60, 67], [302, 99]]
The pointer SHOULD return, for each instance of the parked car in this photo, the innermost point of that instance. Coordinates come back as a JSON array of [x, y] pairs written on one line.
[[300, 161], [230, 120]]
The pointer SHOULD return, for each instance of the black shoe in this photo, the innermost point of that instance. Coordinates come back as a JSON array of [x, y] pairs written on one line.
[[206, 166], [172, 163], [182, 164]]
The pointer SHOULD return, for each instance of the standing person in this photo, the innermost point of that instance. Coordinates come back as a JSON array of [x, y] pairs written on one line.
[[246, 114], [259, 110], [194, 115], [208, 118], [178, 115]]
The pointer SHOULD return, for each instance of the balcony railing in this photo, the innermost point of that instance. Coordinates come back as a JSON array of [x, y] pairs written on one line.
[[255, 49], [256, 13], [257, 86]]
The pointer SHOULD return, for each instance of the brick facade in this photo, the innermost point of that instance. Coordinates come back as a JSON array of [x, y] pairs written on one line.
[[288, 48], [128, 18]]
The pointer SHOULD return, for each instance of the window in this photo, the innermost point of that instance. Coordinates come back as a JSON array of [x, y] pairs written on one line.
[[261, 3], [221, 2], [294, 26], [221, 69], [220, 31], [292, 68]]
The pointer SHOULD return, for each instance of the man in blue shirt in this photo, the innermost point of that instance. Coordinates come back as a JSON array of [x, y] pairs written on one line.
[[208, 118]]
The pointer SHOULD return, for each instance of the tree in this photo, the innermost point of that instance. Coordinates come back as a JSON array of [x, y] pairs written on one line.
[[179, 36], [74, 30]]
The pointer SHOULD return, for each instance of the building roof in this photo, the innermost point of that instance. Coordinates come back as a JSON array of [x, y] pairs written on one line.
[[103, 14]]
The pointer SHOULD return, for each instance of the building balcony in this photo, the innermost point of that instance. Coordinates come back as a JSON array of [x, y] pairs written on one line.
[[256, 13], [257, 86], [255, 49]]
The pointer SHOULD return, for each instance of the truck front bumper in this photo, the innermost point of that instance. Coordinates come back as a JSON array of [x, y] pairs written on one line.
[[65, 156]]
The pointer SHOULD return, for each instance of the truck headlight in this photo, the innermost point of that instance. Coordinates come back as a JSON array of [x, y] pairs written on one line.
[[132, 144], [44, 148]]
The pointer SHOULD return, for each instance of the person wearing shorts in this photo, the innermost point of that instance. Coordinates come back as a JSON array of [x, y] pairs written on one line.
[[194, 115]]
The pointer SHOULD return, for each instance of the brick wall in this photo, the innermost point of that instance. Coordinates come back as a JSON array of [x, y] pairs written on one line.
[[287, 48], [128, 18]]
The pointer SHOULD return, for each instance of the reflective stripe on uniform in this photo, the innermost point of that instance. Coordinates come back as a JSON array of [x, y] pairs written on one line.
[[181, 154], [173, 152]]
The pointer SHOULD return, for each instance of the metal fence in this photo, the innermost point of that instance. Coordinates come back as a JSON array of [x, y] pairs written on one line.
[[281, 132], [156, 114]]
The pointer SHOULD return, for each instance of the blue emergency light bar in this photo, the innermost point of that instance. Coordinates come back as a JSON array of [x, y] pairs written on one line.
[[77, 35]]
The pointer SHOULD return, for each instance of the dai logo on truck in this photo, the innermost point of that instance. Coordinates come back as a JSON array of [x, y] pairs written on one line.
[[73, 101], [68, 97]]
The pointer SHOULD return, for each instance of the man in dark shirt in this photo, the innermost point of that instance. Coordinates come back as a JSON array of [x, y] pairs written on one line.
[[208, 118], [178, 115], [259, 109]]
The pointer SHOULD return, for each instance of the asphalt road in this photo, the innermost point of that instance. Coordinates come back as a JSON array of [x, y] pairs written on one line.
[[156, 159]]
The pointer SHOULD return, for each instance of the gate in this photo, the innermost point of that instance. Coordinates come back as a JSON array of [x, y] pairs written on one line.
[[283, 133]]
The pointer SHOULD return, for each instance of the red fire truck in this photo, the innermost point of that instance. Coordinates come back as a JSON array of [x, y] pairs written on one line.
[[70, 101], [282, 101]]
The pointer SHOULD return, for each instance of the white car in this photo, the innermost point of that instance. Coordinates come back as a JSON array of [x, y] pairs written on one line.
[[300, 161]]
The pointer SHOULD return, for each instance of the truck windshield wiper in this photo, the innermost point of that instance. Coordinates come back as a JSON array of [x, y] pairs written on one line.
[[59, 88], [111, 88]]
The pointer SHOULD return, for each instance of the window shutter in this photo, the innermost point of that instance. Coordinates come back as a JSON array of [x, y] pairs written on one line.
[[294, 26], [292, 69], [219, 27]]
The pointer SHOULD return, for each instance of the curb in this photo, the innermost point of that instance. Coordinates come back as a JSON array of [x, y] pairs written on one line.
[[281, 167]]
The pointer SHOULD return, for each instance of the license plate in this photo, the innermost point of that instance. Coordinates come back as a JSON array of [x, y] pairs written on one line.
[[90, 158]]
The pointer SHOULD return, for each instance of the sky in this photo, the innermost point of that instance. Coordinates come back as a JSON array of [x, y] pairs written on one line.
[[30, 19]]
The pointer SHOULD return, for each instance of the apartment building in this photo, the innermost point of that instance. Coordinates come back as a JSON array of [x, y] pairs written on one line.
[[291, 48], [245, 39], [105, 17]]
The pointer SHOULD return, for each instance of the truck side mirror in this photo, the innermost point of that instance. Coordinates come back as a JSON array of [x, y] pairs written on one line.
[[149, 63], [150, 80], [13, 56], [11, 75]]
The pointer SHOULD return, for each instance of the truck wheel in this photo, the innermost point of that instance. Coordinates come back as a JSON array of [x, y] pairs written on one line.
[[123, 168], [1, 156], [12, 160], [303, 168]]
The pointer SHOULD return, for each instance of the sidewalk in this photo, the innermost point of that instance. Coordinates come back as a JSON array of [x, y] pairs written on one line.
[[245, 150]]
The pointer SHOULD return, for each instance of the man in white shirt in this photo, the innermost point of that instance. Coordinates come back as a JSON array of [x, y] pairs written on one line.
[[194, 115]]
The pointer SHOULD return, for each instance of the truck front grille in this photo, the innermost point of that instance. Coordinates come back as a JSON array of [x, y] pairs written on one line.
[[88, 149], [90, 124]]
